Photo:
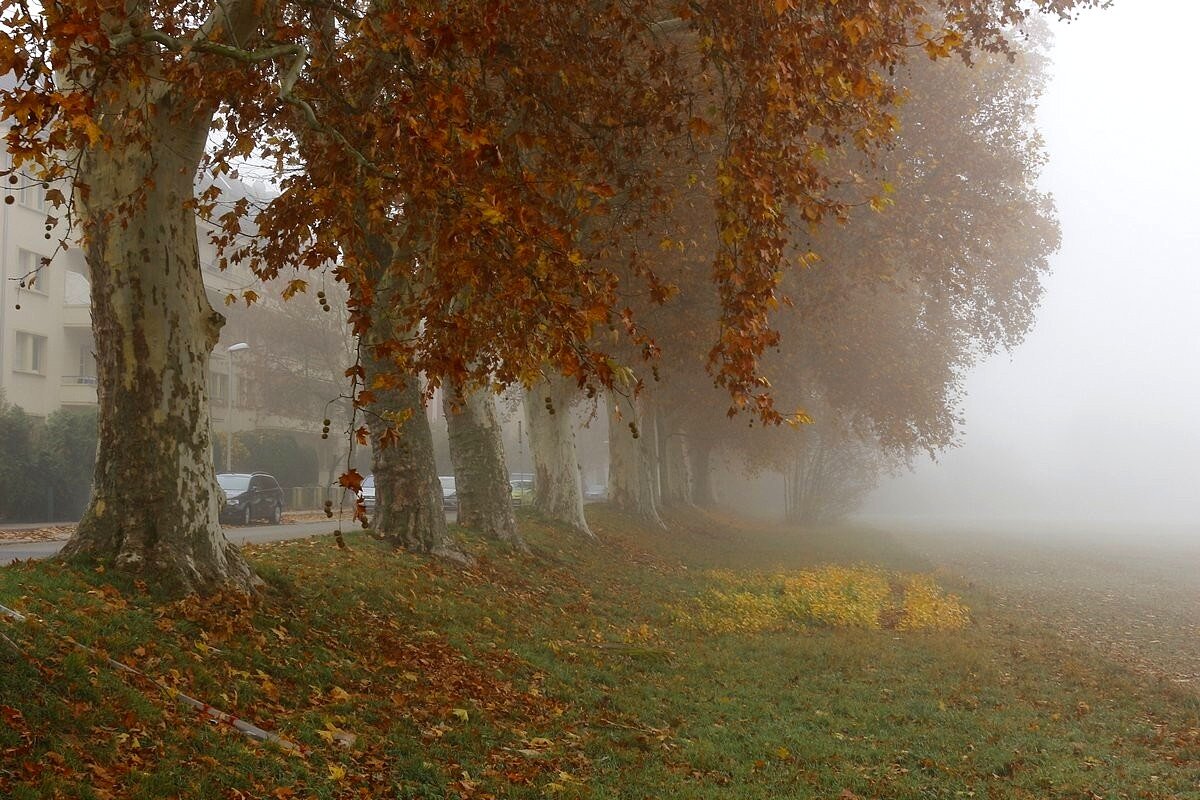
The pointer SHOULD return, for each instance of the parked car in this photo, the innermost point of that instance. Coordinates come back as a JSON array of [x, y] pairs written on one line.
[[368, 493], [449, 493], [595, 492], [251, 496], [522, 489]]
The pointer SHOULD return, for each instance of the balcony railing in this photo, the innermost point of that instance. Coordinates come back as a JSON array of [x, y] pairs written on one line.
[[78, 390]]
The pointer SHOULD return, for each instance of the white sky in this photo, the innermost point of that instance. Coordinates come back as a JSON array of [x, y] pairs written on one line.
[[1097, 415]]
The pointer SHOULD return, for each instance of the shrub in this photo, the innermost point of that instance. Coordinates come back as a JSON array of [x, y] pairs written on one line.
[[274, 452], [19, 494], [67, 457]]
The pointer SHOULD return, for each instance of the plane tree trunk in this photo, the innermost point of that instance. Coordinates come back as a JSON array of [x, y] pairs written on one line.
[[408, 494], [674, 467], [480, 472], [155, 502], [633, 461], [557, 482], [700, 460]]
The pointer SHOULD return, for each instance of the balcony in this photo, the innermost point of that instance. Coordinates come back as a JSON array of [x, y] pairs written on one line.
[[78, 390], [76, 316]]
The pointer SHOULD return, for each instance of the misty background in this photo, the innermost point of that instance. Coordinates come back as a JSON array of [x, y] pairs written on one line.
[[1096, 416]]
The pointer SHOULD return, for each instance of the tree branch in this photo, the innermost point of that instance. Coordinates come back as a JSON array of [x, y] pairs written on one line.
[[287, 81]]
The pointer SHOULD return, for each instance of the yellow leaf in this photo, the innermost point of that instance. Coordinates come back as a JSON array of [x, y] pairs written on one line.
[[338, 693], [462, 714], [337, 772]]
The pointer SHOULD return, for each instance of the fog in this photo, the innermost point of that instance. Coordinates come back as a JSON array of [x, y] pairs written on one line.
[[1095, 417]]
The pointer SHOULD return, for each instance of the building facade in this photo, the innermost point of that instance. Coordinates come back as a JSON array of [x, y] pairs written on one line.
[[47, 353]]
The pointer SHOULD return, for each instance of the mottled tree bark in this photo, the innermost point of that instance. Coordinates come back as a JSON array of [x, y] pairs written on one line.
[[480, 472], [408, 494], [557, 482], [633, 462], [155, 502]]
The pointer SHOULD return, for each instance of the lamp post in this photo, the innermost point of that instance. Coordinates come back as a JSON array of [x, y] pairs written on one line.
[[233, 348]]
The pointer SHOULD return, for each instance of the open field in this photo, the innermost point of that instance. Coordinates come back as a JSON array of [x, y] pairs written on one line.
[[577, 672], [1131, 594]]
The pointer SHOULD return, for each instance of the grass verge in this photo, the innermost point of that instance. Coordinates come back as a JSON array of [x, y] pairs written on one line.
[[565, 674]]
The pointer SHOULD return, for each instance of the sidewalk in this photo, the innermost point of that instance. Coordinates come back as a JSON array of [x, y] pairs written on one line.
[[18, 532], [14, 532]]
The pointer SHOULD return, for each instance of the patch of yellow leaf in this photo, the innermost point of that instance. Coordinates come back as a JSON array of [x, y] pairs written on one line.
[[927, 608], [831, 596]]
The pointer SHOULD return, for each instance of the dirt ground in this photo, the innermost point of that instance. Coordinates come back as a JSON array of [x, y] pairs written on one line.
[[1132, 594]]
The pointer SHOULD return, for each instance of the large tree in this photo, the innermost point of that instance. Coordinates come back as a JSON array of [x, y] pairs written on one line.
[[492, 146], [904, 299]]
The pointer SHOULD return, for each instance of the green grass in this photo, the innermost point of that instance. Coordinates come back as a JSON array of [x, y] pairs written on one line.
[[562, 674]]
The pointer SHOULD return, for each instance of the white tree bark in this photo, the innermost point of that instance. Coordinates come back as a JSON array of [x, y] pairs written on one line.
[[155, 503], [480, 472], [557, 483], [633, 484]]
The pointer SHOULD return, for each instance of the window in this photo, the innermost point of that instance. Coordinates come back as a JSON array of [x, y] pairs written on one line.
[[31, 193], [31, 353], [87, 366], [32, 272], [218, 387]]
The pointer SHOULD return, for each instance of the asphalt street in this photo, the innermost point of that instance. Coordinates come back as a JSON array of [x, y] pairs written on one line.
[[19, 551]]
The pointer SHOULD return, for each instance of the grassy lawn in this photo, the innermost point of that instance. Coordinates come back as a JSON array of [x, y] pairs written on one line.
[[572, 673]]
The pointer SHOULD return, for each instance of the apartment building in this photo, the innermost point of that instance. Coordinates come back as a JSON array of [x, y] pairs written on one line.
[[46, 347], [47, 359]]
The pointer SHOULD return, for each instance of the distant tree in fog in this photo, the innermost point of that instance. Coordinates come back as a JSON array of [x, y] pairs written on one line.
[[890, 310], [295, 370]]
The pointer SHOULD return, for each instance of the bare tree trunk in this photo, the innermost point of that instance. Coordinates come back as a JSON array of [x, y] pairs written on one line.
[[557, 483], [408, 494], [677, 482], [155, 502], [632, 467], [700, 454], [480, 472]]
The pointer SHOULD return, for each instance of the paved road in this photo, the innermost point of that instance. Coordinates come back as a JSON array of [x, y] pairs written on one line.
[[236, 534]]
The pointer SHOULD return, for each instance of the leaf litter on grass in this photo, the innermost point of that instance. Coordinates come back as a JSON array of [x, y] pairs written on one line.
[[561, 676]]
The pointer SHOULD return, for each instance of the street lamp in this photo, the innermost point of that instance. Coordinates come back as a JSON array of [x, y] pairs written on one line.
[[233, 348]]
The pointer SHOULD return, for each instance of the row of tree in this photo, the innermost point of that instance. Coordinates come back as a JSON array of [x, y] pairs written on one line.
[[509, 192]]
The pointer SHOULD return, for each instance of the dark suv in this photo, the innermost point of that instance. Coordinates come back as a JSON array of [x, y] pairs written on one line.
[[250, 497]]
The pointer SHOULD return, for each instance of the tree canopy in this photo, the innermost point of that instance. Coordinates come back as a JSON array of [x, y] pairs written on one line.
[[485, 172]]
